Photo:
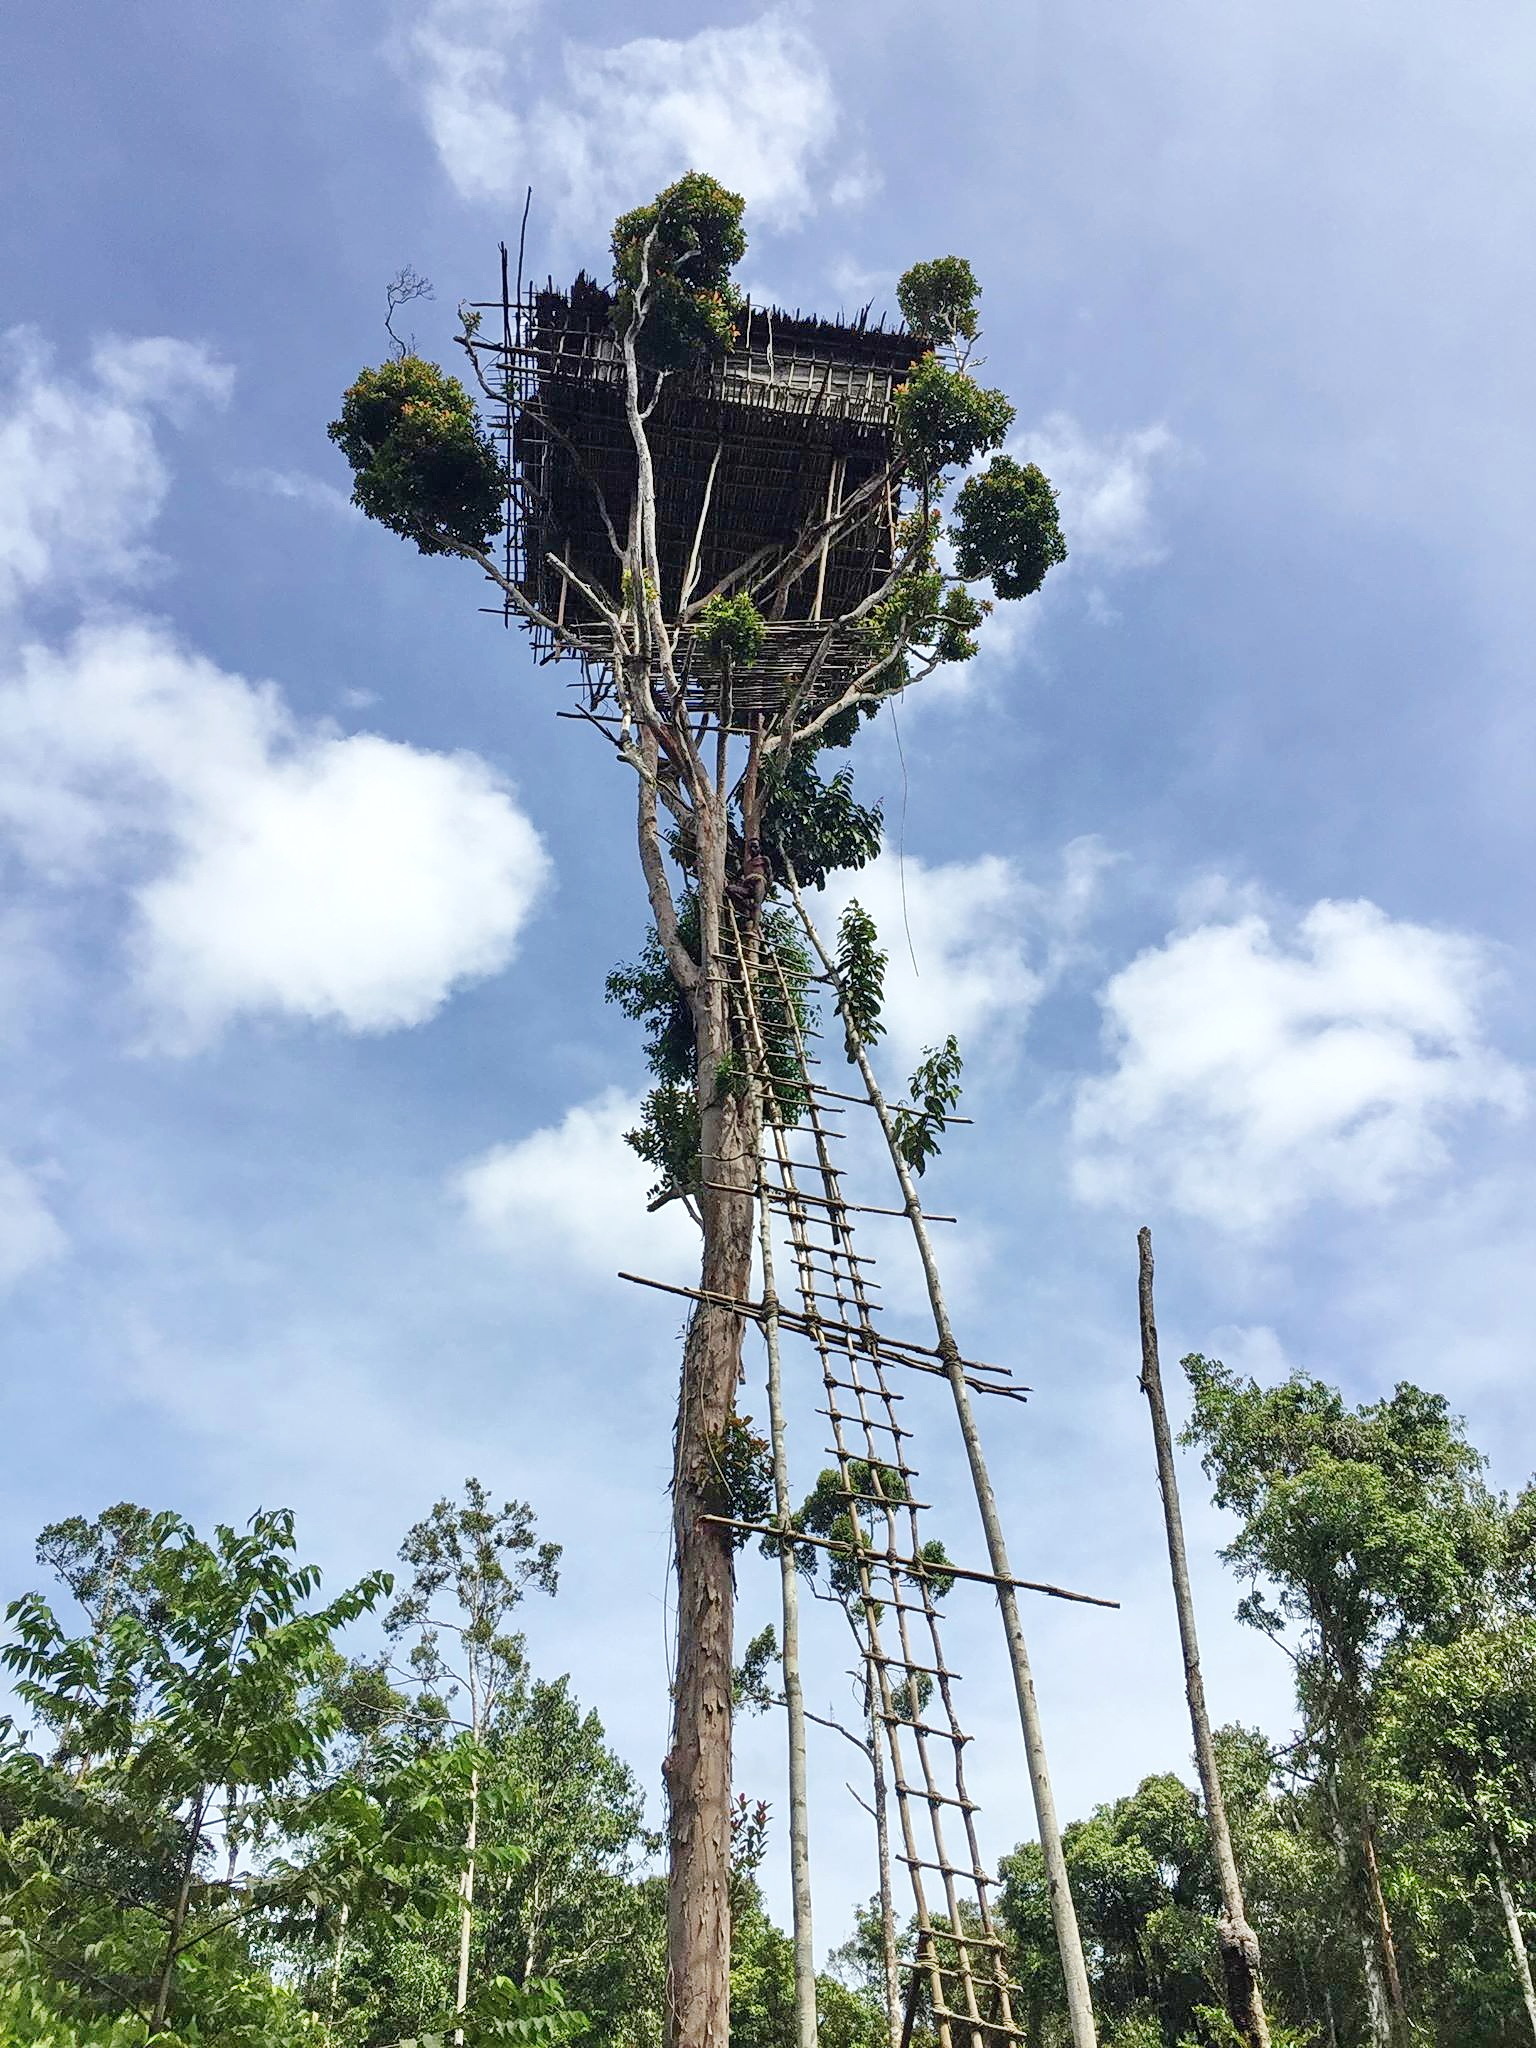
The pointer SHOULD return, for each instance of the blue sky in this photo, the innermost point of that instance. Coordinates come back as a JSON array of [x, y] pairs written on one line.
[[1218, 862]]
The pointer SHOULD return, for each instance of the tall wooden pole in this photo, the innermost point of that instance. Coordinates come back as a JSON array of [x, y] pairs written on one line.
[[1235, 1939], [794, 1697]]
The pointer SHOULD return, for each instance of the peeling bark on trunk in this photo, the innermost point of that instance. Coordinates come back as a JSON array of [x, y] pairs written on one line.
[[698, 1766]]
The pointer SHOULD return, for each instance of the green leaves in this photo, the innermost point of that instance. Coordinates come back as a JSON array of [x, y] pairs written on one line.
[[422, 464], [945, 419], [751, 1692], [1459, 1723], [743, 1471], [200, 1696], [471, 1566], [935, 1088], [816, 826], [1368, 1522], [938, 299], [731, 630], [504, 2014], [213, 1685], [1007, 527], [667, 1138], [672, 262], [860, 976]]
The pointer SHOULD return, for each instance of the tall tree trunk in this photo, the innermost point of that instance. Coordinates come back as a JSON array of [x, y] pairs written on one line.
[[698, 1765], [467, 1899], [1378, 2007], [789, 1599], [1517, 1948], [1235, 1939], [1396, 2004]]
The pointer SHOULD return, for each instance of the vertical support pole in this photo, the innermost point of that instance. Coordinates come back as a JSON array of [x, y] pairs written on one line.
[[1235, 1939], [1069, 1942], [834, 502], [794, 1697]]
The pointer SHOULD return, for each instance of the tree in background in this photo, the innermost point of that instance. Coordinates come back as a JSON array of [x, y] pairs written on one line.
[[470, 1566], [1362, 1529], [191, 1713]]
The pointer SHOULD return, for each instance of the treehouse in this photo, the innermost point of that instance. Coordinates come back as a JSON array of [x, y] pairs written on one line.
[[752, 452]]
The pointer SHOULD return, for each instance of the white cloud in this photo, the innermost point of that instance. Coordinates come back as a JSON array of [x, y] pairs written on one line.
[[752, 105], [30, 1235], [274, 866], [574, 1196], [1104, 484], [300, 488], [81, 480], [971, 946], [1256, 1072]]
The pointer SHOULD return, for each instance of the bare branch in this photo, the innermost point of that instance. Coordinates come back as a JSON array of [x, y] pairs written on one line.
[[403, 288]]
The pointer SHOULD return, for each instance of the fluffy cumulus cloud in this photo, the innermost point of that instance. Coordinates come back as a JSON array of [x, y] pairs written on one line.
[[573, 1197], [30, 1235], [83, 478], [273, 866], [971, 946], [1106, 488], [1255, 1070], [751, 104], [1104, 483]]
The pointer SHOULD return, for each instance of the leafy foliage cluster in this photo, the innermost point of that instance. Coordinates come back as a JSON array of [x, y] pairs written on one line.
[[731, 630], [744, 1468], [667, 1137], [935, 1089], [813, 826], [861, 975], [322, 1905], [213, 1801], [685, 245], [828, 1511], [946, 419], [938, 299], [1007, 527], [422, 464]]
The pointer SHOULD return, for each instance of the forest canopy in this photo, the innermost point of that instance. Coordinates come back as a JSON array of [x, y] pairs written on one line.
[[220, 1824]]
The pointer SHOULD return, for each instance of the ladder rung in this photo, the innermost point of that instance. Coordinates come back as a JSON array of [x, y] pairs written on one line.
[[949, 1870], [881, 1500], [906, 1664], [891, 1428], [924, 1727], [1004, 2028], [965, 1940], [937, 1798]]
